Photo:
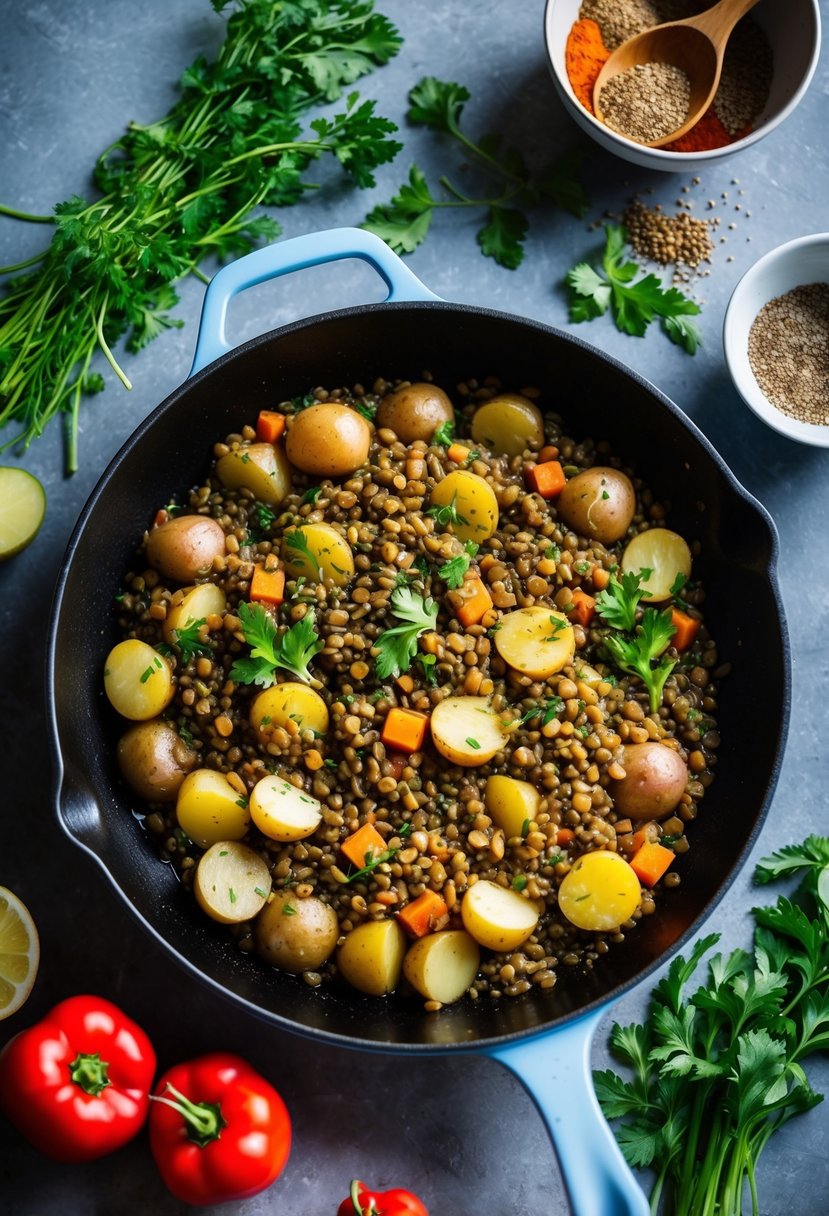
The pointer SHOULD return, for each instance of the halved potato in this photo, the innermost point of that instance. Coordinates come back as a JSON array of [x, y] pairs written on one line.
[[664, 553], [508, 424], [289, 702], [197, 604], [208, 808], [467, 730], [497, 917], [317, 552], [469, 505], [22, 508], [137, 680], [510, 803], [442, 966], [371, 957], [536, 641], [296, 934], [232, 882], [283, 812], [262, 468], [600, 892]]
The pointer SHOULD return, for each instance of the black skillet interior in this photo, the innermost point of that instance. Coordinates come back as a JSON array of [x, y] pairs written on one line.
[[597, 397]]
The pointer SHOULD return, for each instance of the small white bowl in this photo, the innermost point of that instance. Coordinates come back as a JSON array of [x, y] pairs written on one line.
[[798, 262], [793, 31]]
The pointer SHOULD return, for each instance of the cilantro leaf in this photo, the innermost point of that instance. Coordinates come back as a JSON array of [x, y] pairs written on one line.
[[637, 653], [437, 104], [503, 235], [618, 601], [291, 651], [189, 640], [454, 571], [396, 647], [404, 222], [812, 854]]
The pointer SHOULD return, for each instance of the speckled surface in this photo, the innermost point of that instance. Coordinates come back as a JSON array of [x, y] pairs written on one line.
[[460, 1131]]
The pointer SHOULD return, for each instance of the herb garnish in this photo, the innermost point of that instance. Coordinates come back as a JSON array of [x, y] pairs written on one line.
[[188, 640], [301, 552], [447, 514], [548, 711], [397, 646], [444, 434], [635, 654], [372, 862], [618, 602], [676, 587], [292, 650], [454, 571]]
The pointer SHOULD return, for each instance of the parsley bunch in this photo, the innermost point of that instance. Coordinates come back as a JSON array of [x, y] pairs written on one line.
[[717, 1073], [633, 304], [397, 647], [183, 189], [510, 186], [292, 650]]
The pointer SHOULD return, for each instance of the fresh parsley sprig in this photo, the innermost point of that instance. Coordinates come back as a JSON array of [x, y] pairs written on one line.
[[269, 650], [618, 601], [189, 641], [397, 647], [633, 304], [454, 571], [637, 653]]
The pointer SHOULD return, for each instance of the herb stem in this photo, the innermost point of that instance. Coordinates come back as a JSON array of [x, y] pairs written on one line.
[[26, 215]]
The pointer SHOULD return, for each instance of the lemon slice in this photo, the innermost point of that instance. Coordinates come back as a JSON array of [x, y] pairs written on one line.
[[22, 507], [19, 953]]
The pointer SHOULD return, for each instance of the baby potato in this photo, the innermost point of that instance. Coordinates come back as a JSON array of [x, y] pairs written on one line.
[[664, 553], [317, 552], [497, 917], [289, 702], [536, 641], [154, 760], [232, 882], [466, 730], [262, 468], [471, 508], [208, 808], [328, 440], [443, 965], [510, 803], [415, 411], [295, 934], [197, 604], [137, 680], [654, 781], [282, 811], [598, 503], [184, 547], [371, 957], [600, 893], [508, 424]]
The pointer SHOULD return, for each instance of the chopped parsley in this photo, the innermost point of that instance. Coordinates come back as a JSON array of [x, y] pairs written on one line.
[[301, 552], [447, 514], [397, 647], [291, 651], [444, 434], [454, 571]]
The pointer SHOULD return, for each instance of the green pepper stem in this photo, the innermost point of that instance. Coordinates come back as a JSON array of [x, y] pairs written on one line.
[[89, 1072], [204, 1119]]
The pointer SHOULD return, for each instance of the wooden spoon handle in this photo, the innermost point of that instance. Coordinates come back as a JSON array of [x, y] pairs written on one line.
[[719, 21]]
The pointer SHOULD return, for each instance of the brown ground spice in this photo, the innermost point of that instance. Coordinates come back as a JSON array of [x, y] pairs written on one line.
[[788, 348], [647, 102]]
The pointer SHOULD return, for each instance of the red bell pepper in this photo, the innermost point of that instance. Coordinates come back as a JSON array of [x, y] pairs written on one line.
[[218, 1130], [77, 1083], [363, 1202]]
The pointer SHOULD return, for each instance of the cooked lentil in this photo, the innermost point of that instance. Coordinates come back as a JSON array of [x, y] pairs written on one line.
[[788, 348], [647, 101], [431, 814]]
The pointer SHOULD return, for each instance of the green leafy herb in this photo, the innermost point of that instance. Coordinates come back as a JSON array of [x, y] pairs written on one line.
[[508, 185], [189, 642], [288, 910], [312, 494], [546, 712], [186, 736], [447, 514], [676, 587], [618, 602], [717, 1073], [556, 625], [633, 304], [186, 188], [427, 662], [473, 743], [397, 647], [454, 571], [637, 653], [444, 434], [301, 552], [367, 409], [291, 651]]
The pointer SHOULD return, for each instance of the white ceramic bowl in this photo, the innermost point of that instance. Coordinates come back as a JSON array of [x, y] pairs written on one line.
[[798, 262], [793, 30]]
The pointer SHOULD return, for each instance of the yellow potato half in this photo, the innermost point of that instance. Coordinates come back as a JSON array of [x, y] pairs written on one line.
[[497, 917], [209, 809], [289, 702], [261, 468], [466, 730], [283, 812], [442, 966], [371, 957], [601, 892], [196, 605], [511, 803], [232, 882], [664, 553], [470, 507], [137, 680], [536, 641], [317, 552], [508, 424]]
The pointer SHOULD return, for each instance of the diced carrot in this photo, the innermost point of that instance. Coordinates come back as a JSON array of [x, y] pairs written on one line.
[[366, 840], [600, 577], [487, 561], [583, 607], [549, 452], [547, 479], [270, 426], [419, 915], [267, 586], [651, 861], [404, 730], [687, 628], [471, 601], [405, 683], [564, 835], [458, 453]]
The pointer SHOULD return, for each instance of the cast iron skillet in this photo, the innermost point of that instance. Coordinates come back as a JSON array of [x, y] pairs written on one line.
[[543, 1038]]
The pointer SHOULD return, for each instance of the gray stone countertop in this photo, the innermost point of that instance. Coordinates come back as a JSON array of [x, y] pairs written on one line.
[[459, 1131]]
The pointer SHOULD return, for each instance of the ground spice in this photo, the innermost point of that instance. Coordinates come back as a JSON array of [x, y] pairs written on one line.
[[667, 239], [584, 56], [646, 102], [788, 349]]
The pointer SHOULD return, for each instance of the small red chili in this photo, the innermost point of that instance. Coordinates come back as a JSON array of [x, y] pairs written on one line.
[[363, 1202], [218, 1130], [77, 1083]]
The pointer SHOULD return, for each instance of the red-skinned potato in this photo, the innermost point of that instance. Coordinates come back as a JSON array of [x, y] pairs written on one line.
[[183, 548], [415, 411], [598, 503], [154, 760], [654, 781]]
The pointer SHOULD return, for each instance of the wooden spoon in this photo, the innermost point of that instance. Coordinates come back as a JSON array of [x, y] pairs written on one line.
[[695, 45]]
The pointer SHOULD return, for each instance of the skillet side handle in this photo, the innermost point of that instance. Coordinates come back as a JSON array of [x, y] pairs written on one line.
[[556, 1071], [313, 249]]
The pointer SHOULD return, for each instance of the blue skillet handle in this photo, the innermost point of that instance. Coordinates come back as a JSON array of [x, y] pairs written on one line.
[[314, 249], [555, 1068]]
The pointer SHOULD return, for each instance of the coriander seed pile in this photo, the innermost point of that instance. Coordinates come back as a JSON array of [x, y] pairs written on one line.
[[646, 102], [788, 348]]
